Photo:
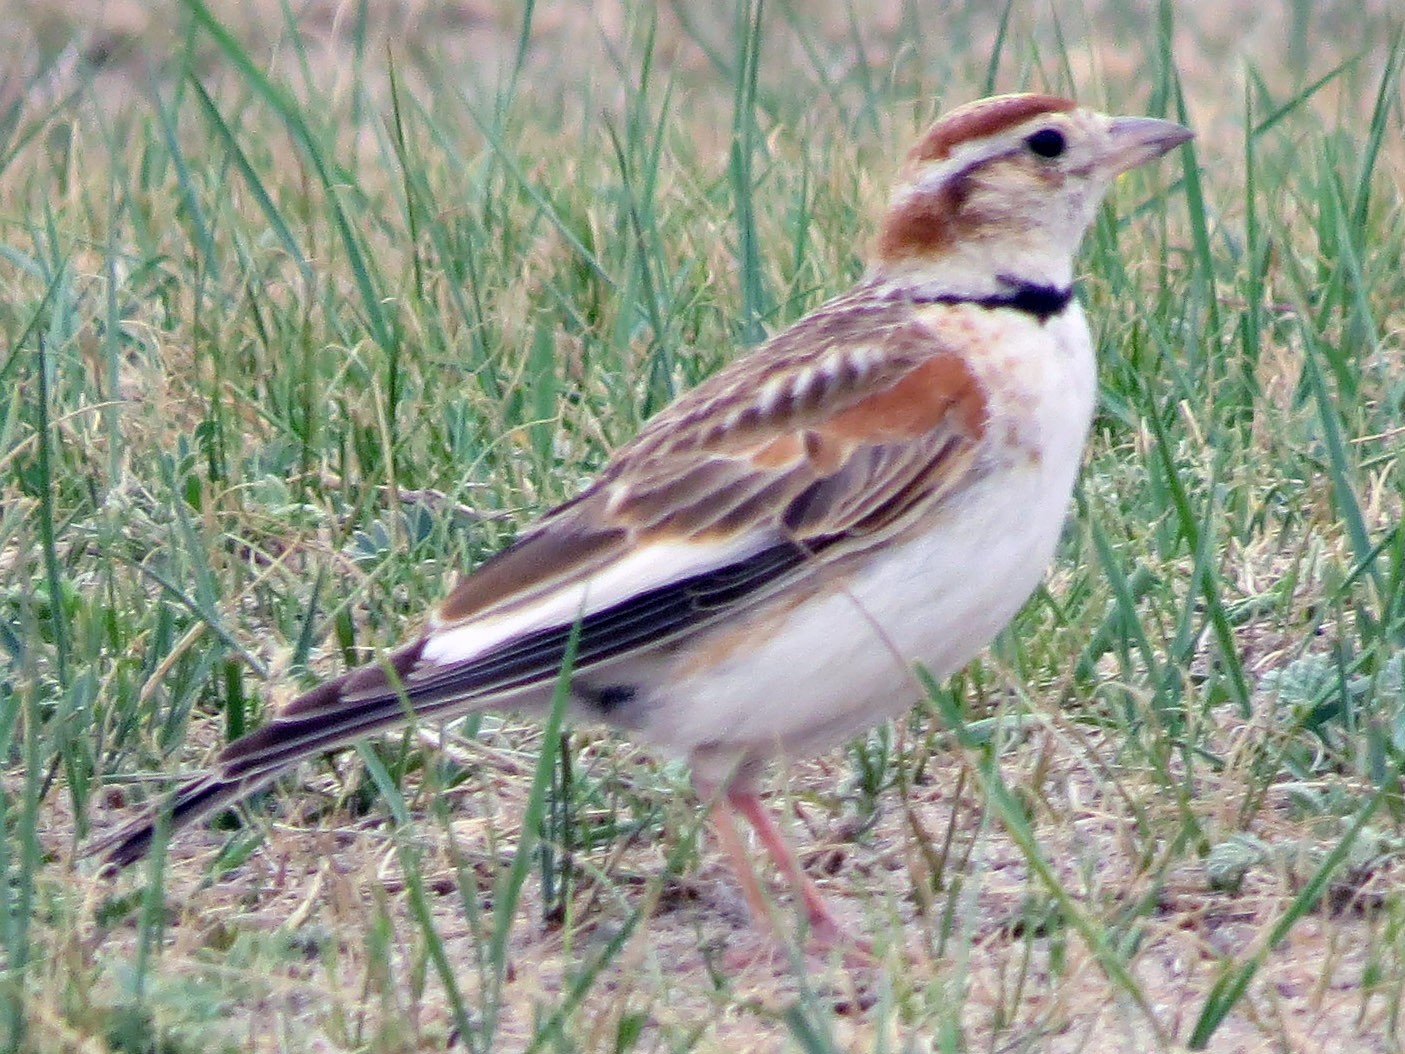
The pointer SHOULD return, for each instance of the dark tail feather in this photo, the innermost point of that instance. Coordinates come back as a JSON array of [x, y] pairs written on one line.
[[331, 715], [359, 703], [198, 797]]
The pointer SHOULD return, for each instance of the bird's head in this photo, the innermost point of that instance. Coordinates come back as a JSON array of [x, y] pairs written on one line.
[[1005, 188]]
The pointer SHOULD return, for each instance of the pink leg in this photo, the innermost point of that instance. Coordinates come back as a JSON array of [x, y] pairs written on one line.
[[825, 929], [731, 844]]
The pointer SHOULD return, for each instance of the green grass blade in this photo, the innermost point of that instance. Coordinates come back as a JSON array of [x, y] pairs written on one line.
[[741, 172]]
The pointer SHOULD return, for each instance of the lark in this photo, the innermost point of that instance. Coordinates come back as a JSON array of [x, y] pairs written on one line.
[[756, 575]]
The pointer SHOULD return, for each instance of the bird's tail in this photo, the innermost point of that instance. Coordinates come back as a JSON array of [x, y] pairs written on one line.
[[195, 798], [356, 704]]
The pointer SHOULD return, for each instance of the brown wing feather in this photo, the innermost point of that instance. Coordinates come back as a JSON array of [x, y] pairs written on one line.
[[824, 428]]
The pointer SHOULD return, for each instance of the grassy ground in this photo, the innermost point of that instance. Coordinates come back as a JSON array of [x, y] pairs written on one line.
[[308, 307]]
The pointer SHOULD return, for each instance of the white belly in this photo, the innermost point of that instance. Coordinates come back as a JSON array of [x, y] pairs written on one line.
[[843, 663]]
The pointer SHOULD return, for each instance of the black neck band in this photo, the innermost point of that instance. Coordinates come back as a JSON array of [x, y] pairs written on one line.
[[1041, 301]]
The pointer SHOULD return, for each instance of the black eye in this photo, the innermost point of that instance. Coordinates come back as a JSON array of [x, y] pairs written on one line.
[[1047, 142]]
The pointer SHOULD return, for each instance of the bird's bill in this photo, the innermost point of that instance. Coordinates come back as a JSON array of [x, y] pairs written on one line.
[[1137, 140]]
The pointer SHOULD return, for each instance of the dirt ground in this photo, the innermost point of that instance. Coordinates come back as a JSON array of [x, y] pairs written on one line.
[[1321, 988]]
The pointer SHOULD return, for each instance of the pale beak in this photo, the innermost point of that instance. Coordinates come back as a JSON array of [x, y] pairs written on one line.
[[1137, 140]]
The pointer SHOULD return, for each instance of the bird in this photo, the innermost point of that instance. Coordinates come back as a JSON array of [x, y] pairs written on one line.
[[758, 574]]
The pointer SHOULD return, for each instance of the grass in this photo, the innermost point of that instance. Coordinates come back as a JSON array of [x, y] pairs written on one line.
[[300, 319]]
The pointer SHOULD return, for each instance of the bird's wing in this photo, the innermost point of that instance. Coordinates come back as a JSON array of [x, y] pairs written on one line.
[[832, 429], [824, 441]]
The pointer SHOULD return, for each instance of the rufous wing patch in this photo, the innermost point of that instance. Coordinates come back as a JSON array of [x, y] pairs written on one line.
[[941, 392]]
